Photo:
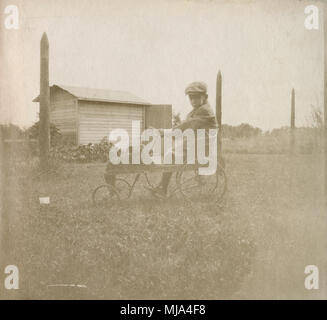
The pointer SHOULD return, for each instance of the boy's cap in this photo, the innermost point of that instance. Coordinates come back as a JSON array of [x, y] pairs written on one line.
[[196, 87]]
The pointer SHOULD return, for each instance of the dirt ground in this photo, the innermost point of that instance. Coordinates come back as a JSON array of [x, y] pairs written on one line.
[[254, 244]]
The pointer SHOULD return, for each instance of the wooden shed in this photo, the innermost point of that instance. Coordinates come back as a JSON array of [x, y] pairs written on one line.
[[85, 115]]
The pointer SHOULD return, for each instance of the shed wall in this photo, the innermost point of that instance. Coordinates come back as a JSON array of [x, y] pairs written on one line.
[[97, 119], [63, 110]]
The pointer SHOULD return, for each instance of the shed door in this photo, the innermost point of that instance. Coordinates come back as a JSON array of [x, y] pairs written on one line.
[[96, 120], [158, 116]]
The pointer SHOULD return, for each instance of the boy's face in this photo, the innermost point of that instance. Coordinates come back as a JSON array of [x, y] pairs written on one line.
[[196, 99]]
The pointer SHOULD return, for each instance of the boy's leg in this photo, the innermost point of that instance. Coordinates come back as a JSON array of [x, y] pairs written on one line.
[[162, 188]]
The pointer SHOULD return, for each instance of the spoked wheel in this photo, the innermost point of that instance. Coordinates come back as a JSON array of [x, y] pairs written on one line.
[[196, 187], [123, 188], [153, 179], [105, 194]]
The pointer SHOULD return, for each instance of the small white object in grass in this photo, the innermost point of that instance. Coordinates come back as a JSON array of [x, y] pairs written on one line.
[[44, 200]]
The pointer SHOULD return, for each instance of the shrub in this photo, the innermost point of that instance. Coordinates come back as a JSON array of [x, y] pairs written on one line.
[[55, 134], [91, 152]]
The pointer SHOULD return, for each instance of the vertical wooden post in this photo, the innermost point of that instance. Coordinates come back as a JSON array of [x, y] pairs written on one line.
[[292, 138], [218, 112], [44, 124], [325, 96], [2, 194], [4, 225]]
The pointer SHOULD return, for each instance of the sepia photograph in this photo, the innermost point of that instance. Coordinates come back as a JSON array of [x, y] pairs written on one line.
[[163, 150]]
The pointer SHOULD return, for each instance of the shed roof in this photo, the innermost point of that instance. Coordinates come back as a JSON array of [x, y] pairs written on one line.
[[99, 95]]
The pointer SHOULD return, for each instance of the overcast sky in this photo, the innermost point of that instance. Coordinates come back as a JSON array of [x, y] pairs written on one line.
[[155, 48]]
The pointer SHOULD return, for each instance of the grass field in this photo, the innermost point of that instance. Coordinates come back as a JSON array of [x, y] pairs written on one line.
[[254, 244], [307, 141]]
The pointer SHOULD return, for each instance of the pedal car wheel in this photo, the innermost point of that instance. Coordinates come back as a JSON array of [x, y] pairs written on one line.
[[153, 179], [104, 194], [196, 187], [123, 188]]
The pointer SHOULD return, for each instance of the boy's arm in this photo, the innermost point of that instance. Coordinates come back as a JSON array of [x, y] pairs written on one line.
[[203, 118]]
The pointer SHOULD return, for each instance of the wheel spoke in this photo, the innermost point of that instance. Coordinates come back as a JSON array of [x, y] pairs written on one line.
[[104, 194], [201, 186]]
